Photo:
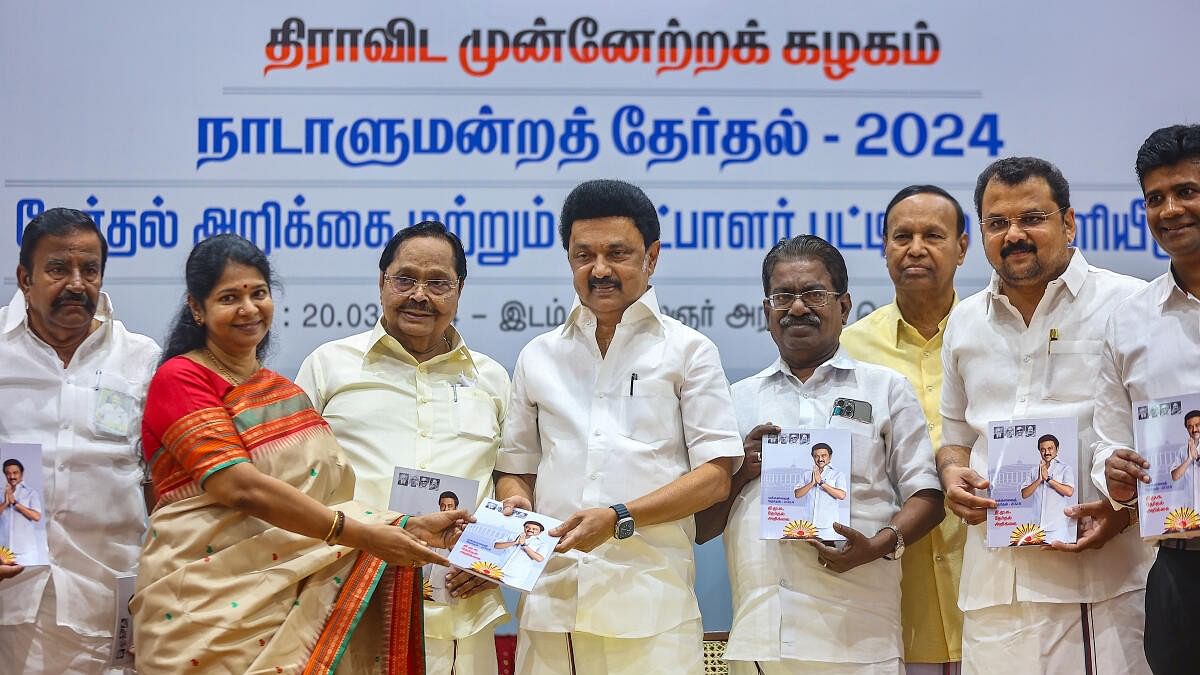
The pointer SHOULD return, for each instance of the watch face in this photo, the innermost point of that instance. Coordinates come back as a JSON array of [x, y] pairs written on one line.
[[625, 528]]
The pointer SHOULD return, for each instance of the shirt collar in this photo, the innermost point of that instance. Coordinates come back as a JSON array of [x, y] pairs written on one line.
[[647, 305], [1073, 277], [380, 339], [18, 312], [1168, 285], [840, 360], [893, 319]]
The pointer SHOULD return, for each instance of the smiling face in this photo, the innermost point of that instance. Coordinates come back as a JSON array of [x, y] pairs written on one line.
[[923, 248], [1173, 209], [532, 529], [418, 314], [62, 289], [237, 313], [1193, 426], [610, 264], [1030, 257], [806, 337], [1048, 450], [12, 474], [821, 456]]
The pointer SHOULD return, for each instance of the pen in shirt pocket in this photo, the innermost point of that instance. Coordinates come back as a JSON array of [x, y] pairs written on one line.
[[632, 380], [1053, 337]]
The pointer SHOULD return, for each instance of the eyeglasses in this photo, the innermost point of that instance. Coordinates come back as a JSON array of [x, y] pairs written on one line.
[[434, 287], [815, 299], [1025, 221]]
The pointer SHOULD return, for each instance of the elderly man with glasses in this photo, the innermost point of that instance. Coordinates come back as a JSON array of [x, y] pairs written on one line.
[[409, 393], [1027, 347], [801, 607]]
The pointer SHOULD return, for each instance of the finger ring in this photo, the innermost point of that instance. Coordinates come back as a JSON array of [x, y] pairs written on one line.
[[825, 564], [758, 456]]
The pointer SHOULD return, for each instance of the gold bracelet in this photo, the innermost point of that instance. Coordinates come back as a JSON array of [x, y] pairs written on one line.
[[333, 527], [341, 525]]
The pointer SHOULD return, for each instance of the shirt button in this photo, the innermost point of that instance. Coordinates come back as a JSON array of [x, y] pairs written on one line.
[[600, 395], [931, 426], [938, 557], [925, 354], [806, 395], [596, 432], [62, 467], [423, 466], [1021, 400], [1028, 358], [426, 434], [66, 425], [595, 476], [929, 387]]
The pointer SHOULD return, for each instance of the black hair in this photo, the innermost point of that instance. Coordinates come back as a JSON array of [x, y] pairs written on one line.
[[1049, 437], [426, 228], [1165, 147], [14, 462], [541, 527], [960, 219], [57, 222], [607, 198], [807, 246], [205, 265], [449, 494], [1190, 415], [818, 446], [1017, 170]]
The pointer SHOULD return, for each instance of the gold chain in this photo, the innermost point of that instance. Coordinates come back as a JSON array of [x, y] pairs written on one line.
[[223, 369]]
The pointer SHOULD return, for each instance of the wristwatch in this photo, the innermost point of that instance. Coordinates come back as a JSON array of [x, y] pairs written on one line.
[[899, 550], [624, 529]]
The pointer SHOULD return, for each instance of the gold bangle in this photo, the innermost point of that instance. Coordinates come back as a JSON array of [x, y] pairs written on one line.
[[341, 525], [332, 527]]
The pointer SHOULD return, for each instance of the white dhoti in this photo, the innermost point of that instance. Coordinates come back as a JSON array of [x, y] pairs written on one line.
[[790, 667], [679, 650], [1103, 638], [471, 655]]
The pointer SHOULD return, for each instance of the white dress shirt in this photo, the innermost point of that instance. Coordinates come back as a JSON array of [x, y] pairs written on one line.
[[997, 368], [444, 415], [574, 423], [19, 533], [94, 510], [1151, 350], [521, 566], [1051, 504], [823, 506], [785, 605]]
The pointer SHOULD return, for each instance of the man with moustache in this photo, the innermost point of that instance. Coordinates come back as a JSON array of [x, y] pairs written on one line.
[[824, 486], [410, 393], [925, 242], [1054, 483], [1152, 350], [621, 426], [1188, 457], [817, 608], [73, 381], [1027, 347]]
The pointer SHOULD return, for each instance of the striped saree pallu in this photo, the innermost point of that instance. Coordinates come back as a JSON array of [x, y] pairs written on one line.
[[220, 591]]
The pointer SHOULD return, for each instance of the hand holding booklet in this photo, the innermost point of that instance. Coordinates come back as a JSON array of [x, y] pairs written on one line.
[[511, 550], [417, 492], [1033, 480], [805, 484], [1167, 434]]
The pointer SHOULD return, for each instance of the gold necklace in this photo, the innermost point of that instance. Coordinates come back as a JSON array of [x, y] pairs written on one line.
[[435, 346], [224, 370]]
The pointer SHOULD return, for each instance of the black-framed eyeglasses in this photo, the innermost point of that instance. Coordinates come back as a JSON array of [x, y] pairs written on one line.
[[434, 287], [1025, 221], [814, 299]]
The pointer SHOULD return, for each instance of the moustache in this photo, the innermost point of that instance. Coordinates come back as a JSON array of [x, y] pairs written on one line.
[[790, 320], [424, 306], [74, 298], [1018, 247], [604, 281]]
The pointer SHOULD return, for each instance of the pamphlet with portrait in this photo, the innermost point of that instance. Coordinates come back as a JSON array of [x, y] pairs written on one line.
[[1166, 432], [416, 492], [1031, 468], [805, 484], [510, 550]]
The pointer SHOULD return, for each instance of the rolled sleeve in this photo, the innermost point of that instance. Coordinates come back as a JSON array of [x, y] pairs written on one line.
[[710, 428], [520, 446], [910, 453]]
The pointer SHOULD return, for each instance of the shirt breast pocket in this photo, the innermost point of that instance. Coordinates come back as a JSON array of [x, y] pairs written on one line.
[[116, 408], [651, 414], [474, 414], [1069, 369]]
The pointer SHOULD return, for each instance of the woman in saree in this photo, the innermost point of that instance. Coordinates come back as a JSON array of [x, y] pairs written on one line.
[[256, 560]]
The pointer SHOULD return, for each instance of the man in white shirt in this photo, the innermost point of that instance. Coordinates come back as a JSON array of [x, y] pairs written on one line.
[[1152, 350], [20, 512], [1026, 347], [74, 381], [1054, 483], [410, 393], [822, 487], [800, 607], [622, 418], [532, 549]]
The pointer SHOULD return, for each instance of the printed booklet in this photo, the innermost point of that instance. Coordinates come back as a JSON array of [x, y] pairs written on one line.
[[805, 484], [1031, 468], [1167, 433], [511, 550], [416, 492]]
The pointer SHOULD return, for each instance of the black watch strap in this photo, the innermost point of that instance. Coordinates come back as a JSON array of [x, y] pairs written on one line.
[[622, 511]]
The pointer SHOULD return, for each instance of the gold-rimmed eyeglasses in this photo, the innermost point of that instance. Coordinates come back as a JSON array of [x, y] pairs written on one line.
[[1025, 221], [434, 287]]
